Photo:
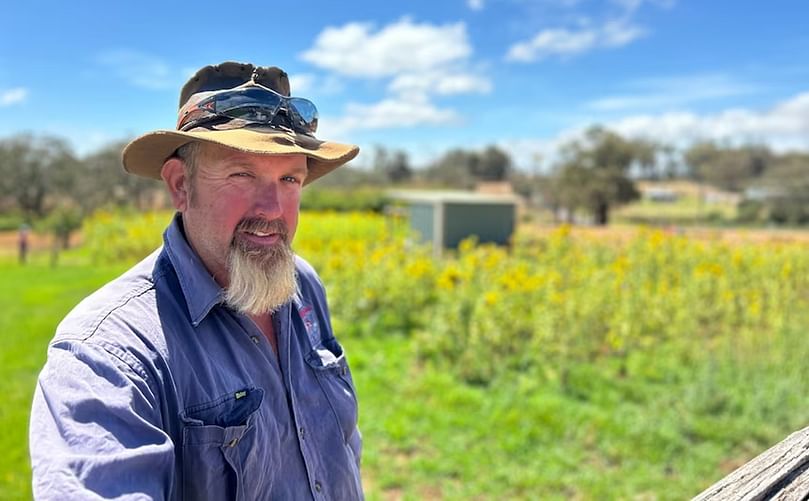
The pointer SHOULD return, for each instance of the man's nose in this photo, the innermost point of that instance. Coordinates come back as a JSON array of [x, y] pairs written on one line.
[[267, 203]]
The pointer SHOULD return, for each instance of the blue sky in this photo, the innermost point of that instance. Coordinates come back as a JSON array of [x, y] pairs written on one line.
[[424, 76]]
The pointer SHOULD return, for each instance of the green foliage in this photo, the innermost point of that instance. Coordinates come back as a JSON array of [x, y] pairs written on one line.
[[751, 212], [566, 367], [391, 167], [33, 169], [33, 298], [594, 173], [462, 169], [687, 210], [785, 190], [121, 236], [11, 221], [727, 168], [343, 200], [62, 222], [103, 182]]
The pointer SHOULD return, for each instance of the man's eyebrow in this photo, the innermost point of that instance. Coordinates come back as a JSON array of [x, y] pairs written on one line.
[[301, 170]]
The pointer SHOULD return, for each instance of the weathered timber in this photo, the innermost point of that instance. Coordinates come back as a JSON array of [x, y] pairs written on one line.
[[780, 473]]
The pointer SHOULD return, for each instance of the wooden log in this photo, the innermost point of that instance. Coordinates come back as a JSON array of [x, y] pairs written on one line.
[[779, 473]]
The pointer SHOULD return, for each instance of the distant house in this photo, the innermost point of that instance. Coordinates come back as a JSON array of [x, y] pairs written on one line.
[[762, 193], [660, 195]]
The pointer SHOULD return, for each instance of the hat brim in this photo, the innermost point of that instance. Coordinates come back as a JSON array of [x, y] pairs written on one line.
[[145, 155]]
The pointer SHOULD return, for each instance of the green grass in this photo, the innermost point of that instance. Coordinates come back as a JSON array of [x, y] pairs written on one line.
[[687, 210], [656, 426], [33, 299], [664, 434]]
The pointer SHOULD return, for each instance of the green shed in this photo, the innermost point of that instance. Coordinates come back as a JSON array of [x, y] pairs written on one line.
[[445, 218]]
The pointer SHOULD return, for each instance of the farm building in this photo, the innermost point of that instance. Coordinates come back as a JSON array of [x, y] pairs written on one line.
[[445, 218]]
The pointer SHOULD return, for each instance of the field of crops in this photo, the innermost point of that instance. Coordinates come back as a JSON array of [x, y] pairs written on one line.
[[569, 365]]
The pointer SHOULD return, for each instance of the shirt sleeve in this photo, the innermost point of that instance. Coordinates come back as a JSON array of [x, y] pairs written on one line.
[[95, 429]]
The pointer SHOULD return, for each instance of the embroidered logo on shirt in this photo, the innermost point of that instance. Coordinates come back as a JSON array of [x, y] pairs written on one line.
[[310, 324]]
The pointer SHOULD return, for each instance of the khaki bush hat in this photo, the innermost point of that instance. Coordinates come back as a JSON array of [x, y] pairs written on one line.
[[145, 155]]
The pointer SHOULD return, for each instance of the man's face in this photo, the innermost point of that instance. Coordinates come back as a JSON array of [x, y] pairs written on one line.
[[242, 205]]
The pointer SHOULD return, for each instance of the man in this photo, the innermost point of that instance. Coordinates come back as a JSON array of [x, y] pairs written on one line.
[[209, 370], [23, 243]]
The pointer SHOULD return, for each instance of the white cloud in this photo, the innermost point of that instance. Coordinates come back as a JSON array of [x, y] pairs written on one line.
[[388, 113], [143, 70], [301, 83], [439, 83], [614, 29], [357, 50], [633, 5], [475, 4], [619, 33], [13, 96], [672, 92], [419, 61], [564, 42], [315, 85], [783, 127]]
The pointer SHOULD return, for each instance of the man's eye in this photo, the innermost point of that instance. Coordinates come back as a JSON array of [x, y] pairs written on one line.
[[290, 179], [241, 174]]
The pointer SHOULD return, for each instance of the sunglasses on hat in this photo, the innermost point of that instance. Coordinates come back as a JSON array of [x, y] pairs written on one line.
[[248, 104]]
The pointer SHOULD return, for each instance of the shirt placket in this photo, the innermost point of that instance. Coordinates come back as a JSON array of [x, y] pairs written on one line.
[[292, 371]]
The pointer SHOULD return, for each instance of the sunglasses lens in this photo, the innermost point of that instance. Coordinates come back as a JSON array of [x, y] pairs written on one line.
[[305, 113], [239, 103]]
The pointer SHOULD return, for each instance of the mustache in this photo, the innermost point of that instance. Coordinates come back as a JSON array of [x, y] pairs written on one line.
[[253, 224], [257, 224]]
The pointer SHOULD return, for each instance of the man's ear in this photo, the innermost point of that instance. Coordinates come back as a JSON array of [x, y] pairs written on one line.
[[173, 174]]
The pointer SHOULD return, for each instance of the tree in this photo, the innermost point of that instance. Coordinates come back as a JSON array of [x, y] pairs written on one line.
[[462, 168], [391, 166], [105, 182], [785, 188], [594, 172], [455, 168], [493, 164], [398, 168], [727, 168], [34, 170]]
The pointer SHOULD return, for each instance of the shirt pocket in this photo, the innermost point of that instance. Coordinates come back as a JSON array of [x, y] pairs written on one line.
[[331, 369], [218, 437]]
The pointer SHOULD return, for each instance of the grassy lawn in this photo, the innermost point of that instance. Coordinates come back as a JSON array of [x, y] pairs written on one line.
[[33, 299], [654, 427]]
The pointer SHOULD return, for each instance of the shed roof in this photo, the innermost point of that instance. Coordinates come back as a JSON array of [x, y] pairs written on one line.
[[445, 196]]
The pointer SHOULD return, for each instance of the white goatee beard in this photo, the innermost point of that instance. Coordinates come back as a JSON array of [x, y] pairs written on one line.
[[260, 280]]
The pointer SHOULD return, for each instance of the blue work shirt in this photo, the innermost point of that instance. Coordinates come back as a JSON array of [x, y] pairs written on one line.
[[154, 389]]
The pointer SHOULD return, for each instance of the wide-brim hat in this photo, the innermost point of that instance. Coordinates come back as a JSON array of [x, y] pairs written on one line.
[[145, 155]]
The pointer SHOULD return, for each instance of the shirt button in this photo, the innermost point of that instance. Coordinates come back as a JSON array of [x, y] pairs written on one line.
[[301, 431], [233, 442], [318, 487], [255, 339]]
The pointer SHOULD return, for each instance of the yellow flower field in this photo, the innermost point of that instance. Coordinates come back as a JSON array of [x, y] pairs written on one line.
[[588, 364]]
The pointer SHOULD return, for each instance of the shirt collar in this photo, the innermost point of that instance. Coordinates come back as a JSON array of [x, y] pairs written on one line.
[[200, 290]]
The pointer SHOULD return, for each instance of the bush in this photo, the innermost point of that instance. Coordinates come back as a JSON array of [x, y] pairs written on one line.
[[343, 200], [114, 236], [750, 211], [9, 222]]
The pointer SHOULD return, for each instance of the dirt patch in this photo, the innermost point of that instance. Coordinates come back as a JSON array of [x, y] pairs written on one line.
[[10, 241], [624, 233]]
